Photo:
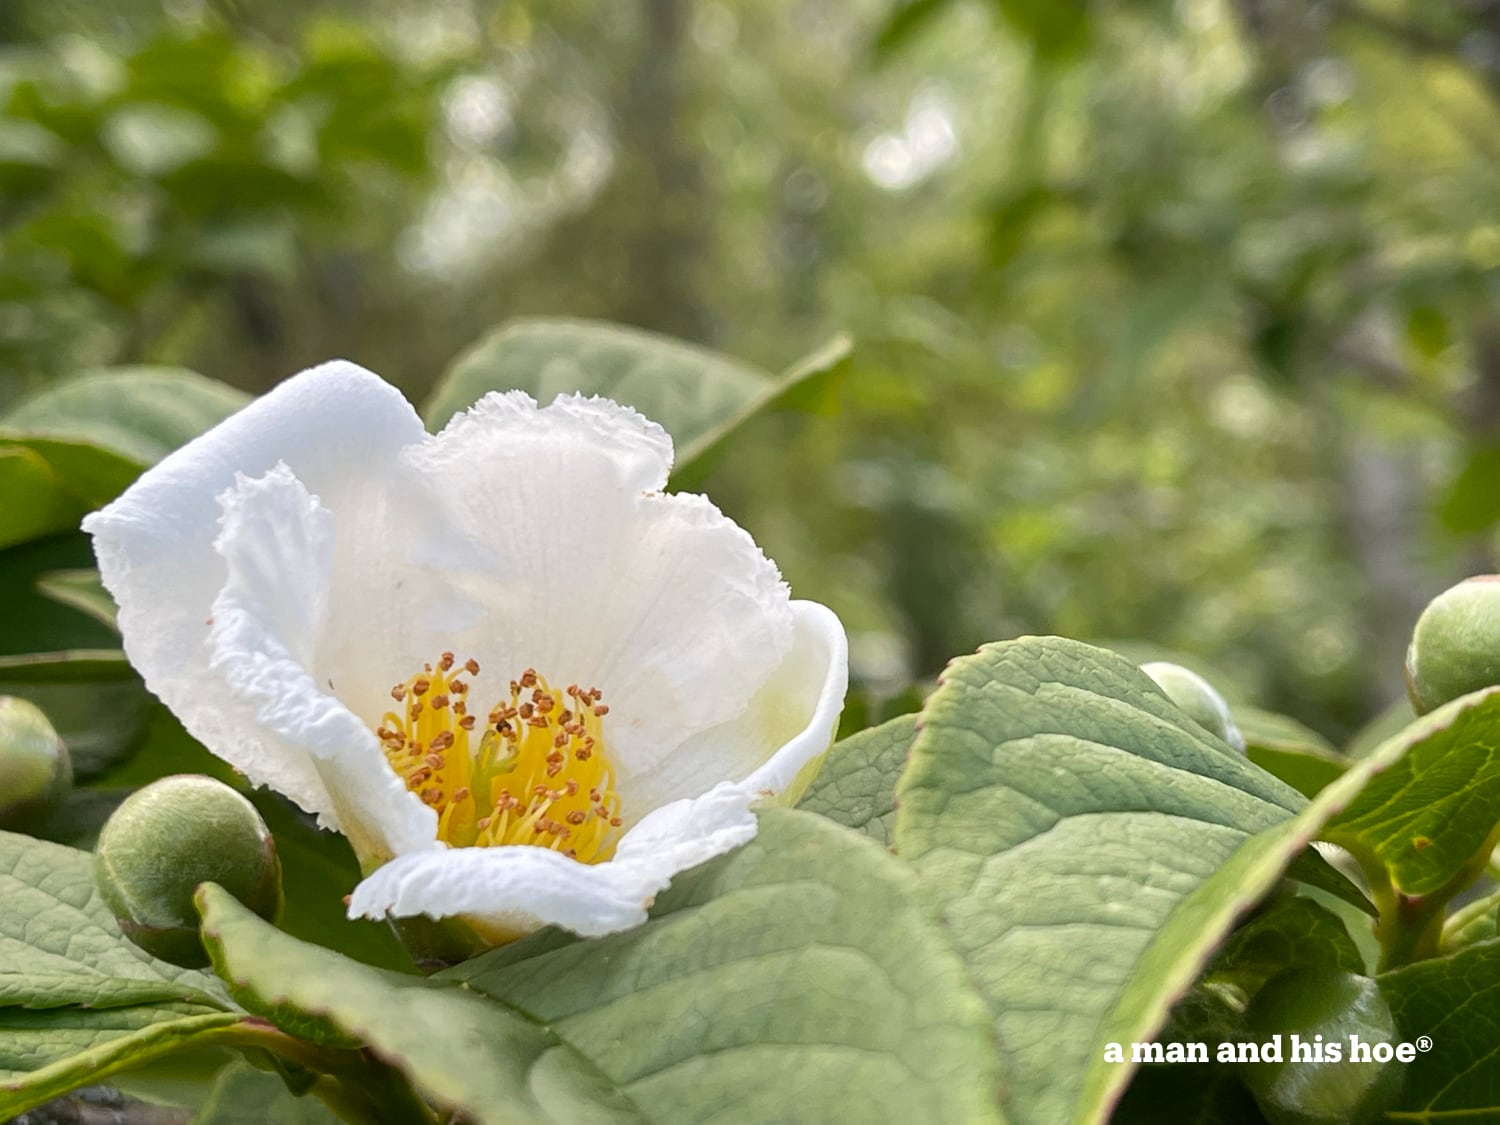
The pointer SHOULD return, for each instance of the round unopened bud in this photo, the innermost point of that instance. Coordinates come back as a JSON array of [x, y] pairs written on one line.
[[1455, 648], [35, 771], [167, 839], [1300, 1082], [1195, 695]]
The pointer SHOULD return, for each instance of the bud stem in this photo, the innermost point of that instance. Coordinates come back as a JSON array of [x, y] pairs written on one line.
[[1410, 927]]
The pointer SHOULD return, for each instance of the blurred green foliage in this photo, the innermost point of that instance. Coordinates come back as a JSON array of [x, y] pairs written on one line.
[[1174, 318]]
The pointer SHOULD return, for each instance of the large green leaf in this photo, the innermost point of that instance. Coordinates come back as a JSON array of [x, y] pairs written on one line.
[[1073, 878], [699, 396], [1087, 845], [460, 1049], [1428, 814], [59, 943], [1452, 1001], [857, 784], [99, 429], [795, 980], [77, 1000]]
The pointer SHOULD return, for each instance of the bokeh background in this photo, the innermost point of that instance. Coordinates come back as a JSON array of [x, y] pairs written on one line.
[[1175, 320]]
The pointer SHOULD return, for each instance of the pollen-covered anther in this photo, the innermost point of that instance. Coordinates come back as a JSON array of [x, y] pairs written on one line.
[[529, 744]]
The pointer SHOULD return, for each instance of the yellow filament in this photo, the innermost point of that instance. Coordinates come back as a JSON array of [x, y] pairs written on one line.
[[533, 772]]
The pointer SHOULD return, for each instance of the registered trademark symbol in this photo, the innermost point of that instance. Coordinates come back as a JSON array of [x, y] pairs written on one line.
[[1424, 1043]]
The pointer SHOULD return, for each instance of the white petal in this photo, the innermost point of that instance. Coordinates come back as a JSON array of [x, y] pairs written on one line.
[[337, 427], [508, 431], [685, 833], [277, 543], [520, 888], [787, 727], [541, 521]]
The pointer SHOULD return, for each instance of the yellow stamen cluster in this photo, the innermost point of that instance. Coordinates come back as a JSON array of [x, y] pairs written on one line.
[[536, 773]]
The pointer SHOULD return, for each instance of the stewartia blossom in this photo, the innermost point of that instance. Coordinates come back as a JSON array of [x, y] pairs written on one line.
[[527, 684]]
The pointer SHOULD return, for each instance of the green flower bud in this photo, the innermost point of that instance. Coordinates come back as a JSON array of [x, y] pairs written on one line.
[[167, 839], [35, 770], [1303, 1090], [1197, 697], [1455, 648]]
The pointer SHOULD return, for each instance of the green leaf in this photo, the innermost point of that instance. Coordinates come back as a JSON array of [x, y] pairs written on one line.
[[59, 943], [857, 784], [809, 385], [1475, 921], [796, 979], [99, 429], [81, 589], [1293, 933], [44, 1054], [1433, 808], [458, 1048], [69, 665], [243, 1095], [36, 502], [1311, 869], [1051, 984], [1298, 755], [1453, 1001], [1087, 845], [699, 396], [1282, 732], [78, 1001]]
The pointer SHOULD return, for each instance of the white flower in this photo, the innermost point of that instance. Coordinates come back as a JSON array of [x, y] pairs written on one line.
[[338, 603]]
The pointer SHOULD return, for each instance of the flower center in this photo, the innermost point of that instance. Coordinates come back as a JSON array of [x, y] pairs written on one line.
[[538, 774]]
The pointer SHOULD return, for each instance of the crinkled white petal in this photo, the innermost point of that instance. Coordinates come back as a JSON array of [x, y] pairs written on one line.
[[338, 427], [789, 723], [520, 888], [277, 543], [544, 522]]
